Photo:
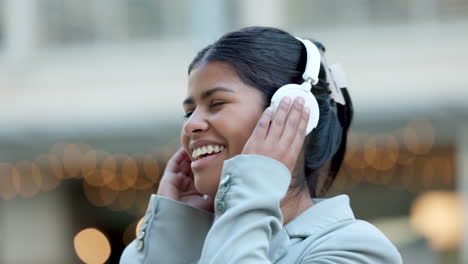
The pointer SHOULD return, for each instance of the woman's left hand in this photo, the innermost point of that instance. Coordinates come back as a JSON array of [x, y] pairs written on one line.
[[280, 135]]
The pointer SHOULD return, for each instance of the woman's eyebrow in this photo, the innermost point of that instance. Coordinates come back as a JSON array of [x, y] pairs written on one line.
[[208, 93]]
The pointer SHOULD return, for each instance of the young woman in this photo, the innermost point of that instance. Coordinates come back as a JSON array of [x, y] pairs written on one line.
[[245, 187]]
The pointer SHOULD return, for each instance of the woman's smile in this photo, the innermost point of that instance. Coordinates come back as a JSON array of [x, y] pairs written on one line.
[[204, 160]]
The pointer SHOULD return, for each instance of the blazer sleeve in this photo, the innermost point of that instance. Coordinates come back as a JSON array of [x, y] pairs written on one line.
[[357, 243], [171, 233], [247, 210]]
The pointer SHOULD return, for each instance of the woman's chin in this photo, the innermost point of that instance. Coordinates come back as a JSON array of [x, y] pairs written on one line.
[[204, 187]]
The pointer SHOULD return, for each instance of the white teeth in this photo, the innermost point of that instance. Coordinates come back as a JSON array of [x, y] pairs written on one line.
[[209, 149]]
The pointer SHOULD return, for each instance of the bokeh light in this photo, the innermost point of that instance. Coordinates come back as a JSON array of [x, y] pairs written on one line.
[[95, 171], [99, 196], [151, 168], [125, 171], [144, 180], [419, 136], [438, 216], [7, 190], [381, 151], [354, 152], [129, 233], [137, 229], [92, 246], [27, 178], [51, 169]]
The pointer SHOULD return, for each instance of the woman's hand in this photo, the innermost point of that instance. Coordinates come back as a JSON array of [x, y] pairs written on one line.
[[177, 183], [281, 139]]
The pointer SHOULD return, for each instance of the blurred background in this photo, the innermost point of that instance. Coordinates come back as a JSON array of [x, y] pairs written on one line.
[[90, 111]]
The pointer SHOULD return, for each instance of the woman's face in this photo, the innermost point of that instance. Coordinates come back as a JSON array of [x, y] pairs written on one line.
[[222, 113]]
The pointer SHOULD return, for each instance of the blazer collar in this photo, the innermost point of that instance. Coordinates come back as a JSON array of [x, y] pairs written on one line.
[[324, 212]]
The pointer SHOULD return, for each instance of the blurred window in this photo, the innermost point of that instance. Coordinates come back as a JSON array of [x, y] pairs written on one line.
[[453, 9], [79, 21], [330, 13], [344, 13], [66, 21], [158, 19], [2, 23]]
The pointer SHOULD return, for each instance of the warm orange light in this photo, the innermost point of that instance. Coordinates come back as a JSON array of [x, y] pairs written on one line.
[[419, 136], [92, 246], [27, 179], [125, 172], [381, 151], [151, 168], [126, 199], [137, 230], [7, 190], [51, 171], [99, 196], [438, 216], [142, 181], [129, 234], [354, 152], [72, 157], [95, 171]]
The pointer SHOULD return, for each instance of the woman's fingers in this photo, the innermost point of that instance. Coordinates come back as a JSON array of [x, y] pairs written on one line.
[[263, 123], [279, 118], [301, 129], [290, 130], [176, 159]]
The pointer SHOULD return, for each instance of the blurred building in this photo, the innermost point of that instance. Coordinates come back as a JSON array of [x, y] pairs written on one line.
[[90, 111]]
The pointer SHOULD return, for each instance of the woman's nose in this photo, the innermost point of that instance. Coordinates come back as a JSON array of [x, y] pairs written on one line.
[[196, 123]]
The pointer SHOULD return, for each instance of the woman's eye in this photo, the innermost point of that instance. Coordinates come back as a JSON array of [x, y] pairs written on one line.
[[187, 115], [216, 104]]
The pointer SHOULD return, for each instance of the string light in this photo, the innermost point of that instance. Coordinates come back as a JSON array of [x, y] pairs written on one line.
[[92, 246], [419, 136], [94, 170], [137, 229], [7, 190], [143, 181], [381, 151], [129, 234], [99, 196], [27, 178], [354, 156], [51, 169], [151, 168], [125, 171], [438, 215]]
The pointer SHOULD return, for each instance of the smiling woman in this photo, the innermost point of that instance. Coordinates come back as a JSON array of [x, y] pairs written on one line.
[[223, 111], [244, 186]]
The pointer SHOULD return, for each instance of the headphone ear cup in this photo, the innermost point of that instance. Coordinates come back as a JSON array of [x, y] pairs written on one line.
[[293, 91]]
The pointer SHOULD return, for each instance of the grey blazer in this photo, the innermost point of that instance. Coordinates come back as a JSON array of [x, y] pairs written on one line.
[[247, 226]]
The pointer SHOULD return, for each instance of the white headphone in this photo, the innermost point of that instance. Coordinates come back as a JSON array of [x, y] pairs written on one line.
[[311, 77]]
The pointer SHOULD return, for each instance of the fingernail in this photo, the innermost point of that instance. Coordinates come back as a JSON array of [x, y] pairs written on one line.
[[287, 99], [300, 100]]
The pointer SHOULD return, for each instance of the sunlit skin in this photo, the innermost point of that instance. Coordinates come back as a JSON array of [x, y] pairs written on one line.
[[222, 110]]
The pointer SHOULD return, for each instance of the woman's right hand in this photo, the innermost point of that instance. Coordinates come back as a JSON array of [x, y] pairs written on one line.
[[177, 183]]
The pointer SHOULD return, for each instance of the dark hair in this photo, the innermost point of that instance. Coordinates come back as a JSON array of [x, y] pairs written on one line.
[[268, 58]]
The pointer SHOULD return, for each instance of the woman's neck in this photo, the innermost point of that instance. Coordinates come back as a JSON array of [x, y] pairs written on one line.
[[294, 206]]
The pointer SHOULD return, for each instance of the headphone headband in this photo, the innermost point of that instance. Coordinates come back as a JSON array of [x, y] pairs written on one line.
[[312, 68]]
